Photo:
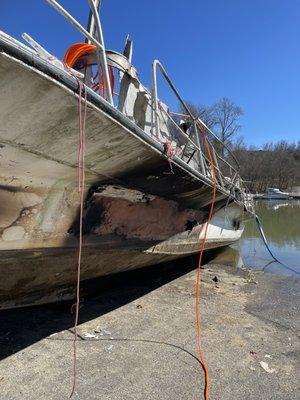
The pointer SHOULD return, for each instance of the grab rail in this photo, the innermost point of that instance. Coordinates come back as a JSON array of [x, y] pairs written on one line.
[[100, 46], [198, 125], [220, 141], [157, 63]]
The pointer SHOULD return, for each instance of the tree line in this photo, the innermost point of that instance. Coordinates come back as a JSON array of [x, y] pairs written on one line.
[[271, 165]]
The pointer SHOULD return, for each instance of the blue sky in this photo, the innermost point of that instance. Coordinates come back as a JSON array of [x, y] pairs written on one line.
[[246, 50]]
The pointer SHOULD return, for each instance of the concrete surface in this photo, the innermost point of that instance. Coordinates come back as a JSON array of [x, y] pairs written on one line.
[[243, 323]]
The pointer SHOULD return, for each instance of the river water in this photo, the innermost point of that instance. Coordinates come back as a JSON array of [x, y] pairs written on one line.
[[281, 224]]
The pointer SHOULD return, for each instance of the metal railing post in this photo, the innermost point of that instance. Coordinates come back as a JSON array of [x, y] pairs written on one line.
[[91, 20], [217, 166], [200, 149], [101, 51], [155, 120], [203, 161], [81, 29]]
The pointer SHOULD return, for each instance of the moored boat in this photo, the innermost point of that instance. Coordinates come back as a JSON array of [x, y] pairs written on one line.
[[275, 194]]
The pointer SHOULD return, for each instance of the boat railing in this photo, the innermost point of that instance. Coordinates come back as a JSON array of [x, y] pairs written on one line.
[[197, 145], [98, 41]]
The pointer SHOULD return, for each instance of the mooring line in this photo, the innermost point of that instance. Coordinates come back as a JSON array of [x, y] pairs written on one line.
[[262, 233]]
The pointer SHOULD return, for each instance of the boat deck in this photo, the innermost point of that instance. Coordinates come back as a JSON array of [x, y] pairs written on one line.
[[243, 324]]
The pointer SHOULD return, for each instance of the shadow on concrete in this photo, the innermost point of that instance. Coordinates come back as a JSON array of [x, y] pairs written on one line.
[[22, 327]]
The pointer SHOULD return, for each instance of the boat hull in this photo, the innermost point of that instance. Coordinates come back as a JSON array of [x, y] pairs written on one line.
[[138, 211], [44, 275]]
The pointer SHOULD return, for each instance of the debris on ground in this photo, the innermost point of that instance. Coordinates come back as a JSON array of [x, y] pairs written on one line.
[[266, 367], [242, 328], [250, 277], [102, 332], [89, 335]]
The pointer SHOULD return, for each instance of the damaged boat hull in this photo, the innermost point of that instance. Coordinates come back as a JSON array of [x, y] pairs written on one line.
[[138, 211], [43, 275]]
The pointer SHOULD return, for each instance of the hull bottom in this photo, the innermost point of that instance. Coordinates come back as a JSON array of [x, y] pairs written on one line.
[[41, 276]]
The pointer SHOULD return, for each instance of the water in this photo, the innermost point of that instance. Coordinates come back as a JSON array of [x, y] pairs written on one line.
[[281, 224]]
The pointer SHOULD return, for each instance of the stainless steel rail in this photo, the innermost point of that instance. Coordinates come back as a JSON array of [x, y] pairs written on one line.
[[220, 141], [157, 64], [100, 46], [199, 127], [101, 55], [91, 20]]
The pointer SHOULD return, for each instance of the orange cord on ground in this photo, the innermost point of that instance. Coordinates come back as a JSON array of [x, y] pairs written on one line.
[[198, 274]]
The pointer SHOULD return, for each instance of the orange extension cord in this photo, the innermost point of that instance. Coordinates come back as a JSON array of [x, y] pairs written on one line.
[[81, 182], [198, 274]]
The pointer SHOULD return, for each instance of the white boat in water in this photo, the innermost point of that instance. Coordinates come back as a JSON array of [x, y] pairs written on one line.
[[276, 194], [149, 178]]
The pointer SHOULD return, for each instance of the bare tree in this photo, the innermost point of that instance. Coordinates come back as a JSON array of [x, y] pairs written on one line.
[[222, 117], [273, 165], [225, 114], [205, 113]]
